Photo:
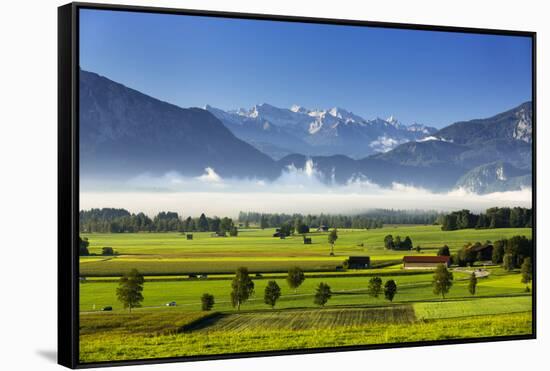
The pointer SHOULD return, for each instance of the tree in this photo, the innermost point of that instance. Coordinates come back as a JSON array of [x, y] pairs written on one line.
[[295, 278], [375, 286], [203, 223], [508, 262], [226, 224], [242, 287], [444, 251], [263, 222], [332, 237], [83, 246], [286, 229], [129, 290], [300, 227], [472, 285], [233, 231], [498, 252], [390, 288], [322, 294], [107, 251], [407, 244], [388, 242], [272, 293], [526, 272], [207, 301], [397, 243], [442, 280]]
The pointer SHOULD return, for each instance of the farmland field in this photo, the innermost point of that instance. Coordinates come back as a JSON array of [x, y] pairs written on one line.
[[109, 345], [172, 254], [501, 305]]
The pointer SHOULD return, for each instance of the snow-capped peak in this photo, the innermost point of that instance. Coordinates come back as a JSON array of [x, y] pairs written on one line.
[[392, 121], [298, 109]]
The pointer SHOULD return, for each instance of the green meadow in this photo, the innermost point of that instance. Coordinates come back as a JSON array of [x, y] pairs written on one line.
[[500, 307], [171, 254]]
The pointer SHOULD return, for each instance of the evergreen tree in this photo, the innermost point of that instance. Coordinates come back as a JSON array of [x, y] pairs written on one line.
[[388, 242], [498, 252], [203, 223], [263, 222], [390, 289], [472, 285]]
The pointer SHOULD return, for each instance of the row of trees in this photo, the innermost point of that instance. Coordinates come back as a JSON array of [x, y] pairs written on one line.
[[510, 253], [120, 220], [129, 291], [314, 221], [397, 243], [375, 218], [496, 217]]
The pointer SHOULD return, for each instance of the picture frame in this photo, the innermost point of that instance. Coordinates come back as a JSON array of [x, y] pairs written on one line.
[[69, 201]]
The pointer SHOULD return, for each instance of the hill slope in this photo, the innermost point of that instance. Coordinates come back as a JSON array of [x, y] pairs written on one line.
[[124, 132]]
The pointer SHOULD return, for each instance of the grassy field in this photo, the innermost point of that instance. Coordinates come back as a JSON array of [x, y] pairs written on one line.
[[348, 290], [500, 307], [329, 318], [112, 345], [172, 254]]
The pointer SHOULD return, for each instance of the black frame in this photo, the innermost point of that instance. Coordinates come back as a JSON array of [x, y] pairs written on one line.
[[68, 180]]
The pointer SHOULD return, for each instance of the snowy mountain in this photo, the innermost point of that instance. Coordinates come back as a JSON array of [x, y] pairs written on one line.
[[281, 131], [124, 134]]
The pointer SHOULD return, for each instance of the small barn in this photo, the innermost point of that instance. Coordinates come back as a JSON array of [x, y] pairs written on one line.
[[425, 262], [322, 228], [189, 236], [219, 234], [307, 240], [359, 262]]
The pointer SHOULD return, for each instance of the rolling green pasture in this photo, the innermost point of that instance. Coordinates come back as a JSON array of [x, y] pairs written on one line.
[[171, 254]]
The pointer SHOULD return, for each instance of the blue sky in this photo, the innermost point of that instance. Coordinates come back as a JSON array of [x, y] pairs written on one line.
[[434, 78]]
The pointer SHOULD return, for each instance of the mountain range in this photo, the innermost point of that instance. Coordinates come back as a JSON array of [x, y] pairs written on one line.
[[126, 133], [280, 131]]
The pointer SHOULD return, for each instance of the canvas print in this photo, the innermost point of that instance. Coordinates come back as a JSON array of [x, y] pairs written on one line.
[[263, 185]]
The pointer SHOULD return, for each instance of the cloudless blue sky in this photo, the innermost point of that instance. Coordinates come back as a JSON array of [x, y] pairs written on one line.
[[434, 78]]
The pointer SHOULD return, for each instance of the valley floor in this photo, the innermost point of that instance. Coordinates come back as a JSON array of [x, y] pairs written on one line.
[[500, 307]]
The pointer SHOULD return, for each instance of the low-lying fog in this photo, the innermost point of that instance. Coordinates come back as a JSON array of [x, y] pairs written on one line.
[[295, 191]]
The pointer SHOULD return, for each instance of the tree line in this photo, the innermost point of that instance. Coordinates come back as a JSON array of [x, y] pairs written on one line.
[[109, 220], [375, 218], [510, 253], [495, 217]]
